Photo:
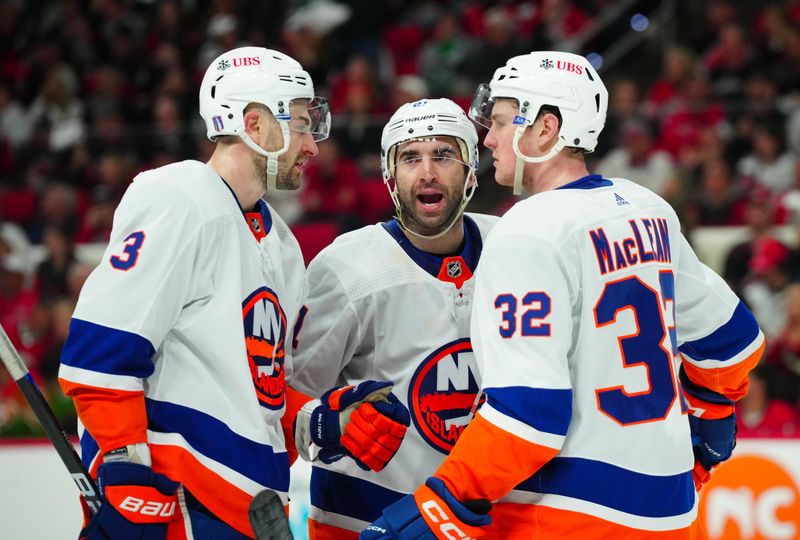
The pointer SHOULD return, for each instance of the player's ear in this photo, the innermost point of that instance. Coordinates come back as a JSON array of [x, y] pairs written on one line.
[[252, 122], [548, 129]]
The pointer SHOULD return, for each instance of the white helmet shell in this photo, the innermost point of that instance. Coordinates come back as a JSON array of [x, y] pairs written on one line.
[[424, 119], [428, 118], [564, 80], [249, 75]]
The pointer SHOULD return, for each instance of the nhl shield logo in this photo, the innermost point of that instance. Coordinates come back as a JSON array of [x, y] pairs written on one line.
[[255, 224], [444, 394], [265, 338], [454, 268]]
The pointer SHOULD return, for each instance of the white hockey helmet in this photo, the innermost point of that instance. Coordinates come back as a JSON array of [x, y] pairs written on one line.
[[428, 119], [559, 79], [258, 75]]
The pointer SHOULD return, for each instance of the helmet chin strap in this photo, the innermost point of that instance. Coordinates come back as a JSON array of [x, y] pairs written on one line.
[[522, 158], [272, 157]]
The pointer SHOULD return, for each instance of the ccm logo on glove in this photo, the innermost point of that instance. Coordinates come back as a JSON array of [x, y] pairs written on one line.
[[437, 515]]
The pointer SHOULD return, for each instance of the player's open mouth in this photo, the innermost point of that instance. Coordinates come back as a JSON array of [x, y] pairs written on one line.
[[430, 201]]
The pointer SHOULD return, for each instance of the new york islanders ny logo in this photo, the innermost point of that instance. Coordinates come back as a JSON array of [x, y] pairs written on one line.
[[444, 394], [265, 338]]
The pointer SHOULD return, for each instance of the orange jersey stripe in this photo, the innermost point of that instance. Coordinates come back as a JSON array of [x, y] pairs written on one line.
[[731, 381], [488, 461], [321, 531], [710, 410], [115, 418], [558, 524], [511, 520], [223, 499], [294, 402], [176, 530]]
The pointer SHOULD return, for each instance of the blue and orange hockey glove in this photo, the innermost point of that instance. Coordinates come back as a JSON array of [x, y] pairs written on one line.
[[431, 513], [366, 422], [713, 441], [138, 504]]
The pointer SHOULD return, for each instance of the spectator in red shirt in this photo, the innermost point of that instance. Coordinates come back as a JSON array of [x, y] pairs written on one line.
[[330, 191], [759, 415], [783, 354]]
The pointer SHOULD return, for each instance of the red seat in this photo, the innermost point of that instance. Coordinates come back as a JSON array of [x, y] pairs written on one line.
[[18, 206], [375, 202], [314, 236], [403, 43]]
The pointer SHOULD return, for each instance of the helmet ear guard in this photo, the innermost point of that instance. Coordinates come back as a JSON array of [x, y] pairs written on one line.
[[563, 80], [258, 75], [425, 119]]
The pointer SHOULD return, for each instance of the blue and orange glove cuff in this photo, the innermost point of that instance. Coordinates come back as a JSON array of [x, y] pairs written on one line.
[[445, 515]]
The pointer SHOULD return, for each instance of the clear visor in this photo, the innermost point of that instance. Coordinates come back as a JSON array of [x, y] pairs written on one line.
[[311, 116], [481, 109], [443, 155]]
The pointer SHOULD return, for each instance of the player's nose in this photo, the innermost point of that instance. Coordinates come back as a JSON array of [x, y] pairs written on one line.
[[490, 141], [310, 147]]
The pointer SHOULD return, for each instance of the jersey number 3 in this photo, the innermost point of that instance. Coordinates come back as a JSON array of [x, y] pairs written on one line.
[[645, 347], [126, 261]]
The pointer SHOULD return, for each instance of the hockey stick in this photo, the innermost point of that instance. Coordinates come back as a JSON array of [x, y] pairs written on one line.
[[268, 517], [20, 374]]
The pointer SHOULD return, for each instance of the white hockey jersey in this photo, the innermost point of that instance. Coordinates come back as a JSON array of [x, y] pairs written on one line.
[[179, 338], [591, 312], [379, 308]]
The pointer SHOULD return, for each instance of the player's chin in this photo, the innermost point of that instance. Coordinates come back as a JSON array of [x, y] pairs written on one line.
[[291, 181], [428, 225], [503, 178]]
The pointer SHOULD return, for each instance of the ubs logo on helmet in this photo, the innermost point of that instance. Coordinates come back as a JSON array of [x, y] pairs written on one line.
[[265, 338], [444, 394]]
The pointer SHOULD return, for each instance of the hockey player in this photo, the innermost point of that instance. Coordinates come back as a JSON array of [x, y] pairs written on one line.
[[591, 315], [177, 358], [392, 301]]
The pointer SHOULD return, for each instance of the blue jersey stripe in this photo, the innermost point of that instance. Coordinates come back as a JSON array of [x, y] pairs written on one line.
[[614, 487], [107, 350], [348, 496], [709, 396], [432, 263], [89, 449], [592, 181], [726, 341], [212, 438], [544, 409]]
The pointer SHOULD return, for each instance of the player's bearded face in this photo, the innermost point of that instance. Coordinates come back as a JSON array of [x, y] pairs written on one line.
[[430, 176], [301, 148]]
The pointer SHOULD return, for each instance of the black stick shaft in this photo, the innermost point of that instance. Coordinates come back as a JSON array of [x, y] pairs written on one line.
[[19, 372]]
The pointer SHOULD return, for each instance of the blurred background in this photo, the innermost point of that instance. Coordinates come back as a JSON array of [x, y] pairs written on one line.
[[704, 109]]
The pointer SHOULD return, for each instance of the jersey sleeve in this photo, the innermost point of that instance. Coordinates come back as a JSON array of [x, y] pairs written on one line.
[[126, 307], [328, 333], [718, 338], [521, 331]]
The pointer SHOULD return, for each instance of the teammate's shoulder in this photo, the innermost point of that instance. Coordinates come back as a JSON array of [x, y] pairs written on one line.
[[363, 261], [281, 229], [189, 184], [485, 222], [181, 174], [356, 245]]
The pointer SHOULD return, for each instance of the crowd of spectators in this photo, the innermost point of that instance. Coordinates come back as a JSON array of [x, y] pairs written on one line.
[[94, 91]]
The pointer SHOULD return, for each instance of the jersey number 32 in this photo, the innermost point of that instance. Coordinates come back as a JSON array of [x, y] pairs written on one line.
[[645, 347]]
